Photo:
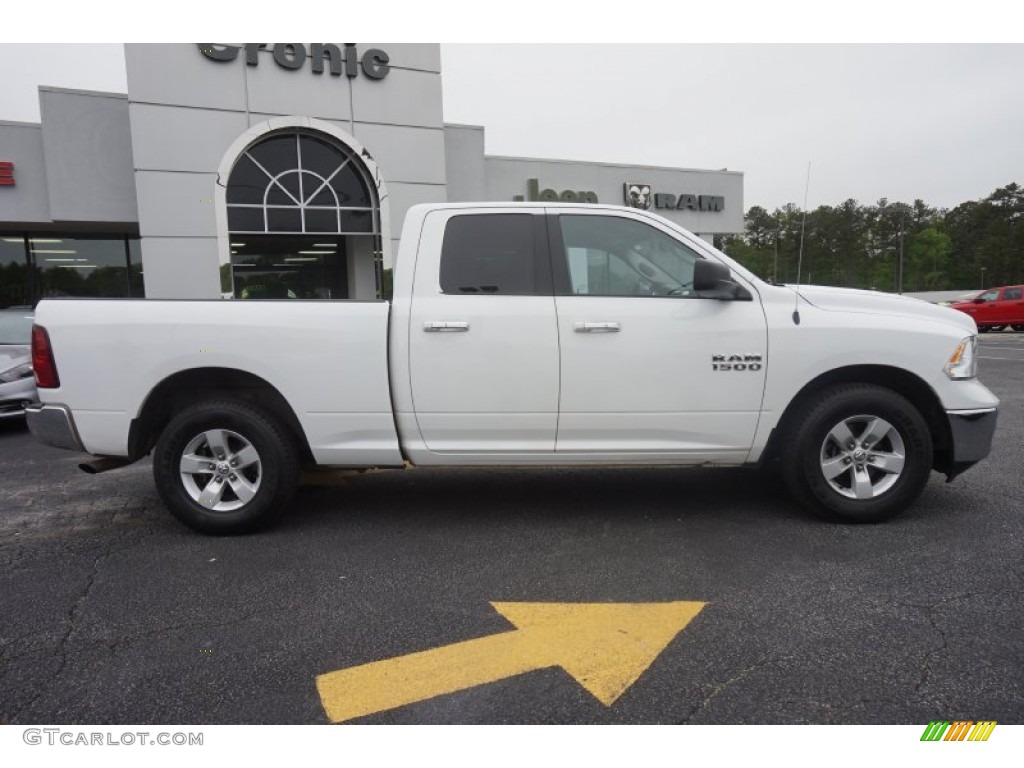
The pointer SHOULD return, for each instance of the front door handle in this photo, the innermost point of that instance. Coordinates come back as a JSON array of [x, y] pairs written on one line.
[[581, 327], [447, 326]]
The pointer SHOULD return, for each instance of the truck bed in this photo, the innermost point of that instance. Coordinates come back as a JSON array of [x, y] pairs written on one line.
[[328, 359]]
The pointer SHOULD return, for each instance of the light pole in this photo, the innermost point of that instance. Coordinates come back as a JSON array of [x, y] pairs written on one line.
[[983, 278], [775, 268], [885, 252], [899, 278]]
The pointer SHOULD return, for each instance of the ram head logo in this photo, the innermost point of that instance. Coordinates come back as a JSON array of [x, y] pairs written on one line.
[[638, 195]]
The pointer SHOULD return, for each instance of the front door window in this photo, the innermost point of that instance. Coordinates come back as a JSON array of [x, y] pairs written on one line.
[[609, 256]]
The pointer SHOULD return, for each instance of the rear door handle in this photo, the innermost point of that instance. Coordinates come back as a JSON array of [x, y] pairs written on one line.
[[581, 327], [447, 326]]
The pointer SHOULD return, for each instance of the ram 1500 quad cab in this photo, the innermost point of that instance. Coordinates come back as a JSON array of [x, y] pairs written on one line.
[[529, 335]]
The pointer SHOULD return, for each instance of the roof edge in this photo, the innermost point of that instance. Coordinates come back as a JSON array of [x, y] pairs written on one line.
[[610, 165], [83, 92]]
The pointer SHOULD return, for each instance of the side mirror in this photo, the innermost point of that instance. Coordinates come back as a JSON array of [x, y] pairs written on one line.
[[979, 300], [712, 280]]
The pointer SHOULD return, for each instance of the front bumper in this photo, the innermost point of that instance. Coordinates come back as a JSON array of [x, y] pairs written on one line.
[[971, 433], [54, 425]]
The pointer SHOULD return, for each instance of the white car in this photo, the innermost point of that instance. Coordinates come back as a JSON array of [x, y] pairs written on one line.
[[17, 385]]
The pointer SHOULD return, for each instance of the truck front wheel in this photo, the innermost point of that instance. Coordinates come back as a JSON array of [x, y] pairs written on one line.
[[858, 453], [225, 467]]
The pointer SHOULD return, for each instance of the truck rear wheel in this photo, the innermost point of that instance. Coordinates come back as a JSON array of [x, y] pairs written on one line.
[[225, 467], [858, 453]]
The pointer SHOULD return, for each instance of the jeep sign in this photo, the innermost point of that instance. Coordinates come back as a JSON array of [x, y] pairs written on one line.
[[534, 193]]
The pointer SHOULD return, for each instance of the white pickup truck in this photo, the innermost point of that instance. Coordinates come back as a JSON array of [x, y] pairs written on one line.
[[526, 335]]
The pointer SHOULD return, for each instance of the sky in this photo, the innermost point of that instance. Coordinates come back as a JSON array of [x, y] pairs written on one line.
[[943, 123]]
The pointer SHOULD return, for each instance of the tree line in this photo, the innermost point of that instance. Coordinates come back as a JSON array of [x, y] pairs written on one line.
[[977, 244]]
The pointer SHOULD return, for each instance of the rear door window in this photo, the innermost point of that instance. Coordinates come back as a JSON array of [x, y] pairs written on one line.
[[500, 254]]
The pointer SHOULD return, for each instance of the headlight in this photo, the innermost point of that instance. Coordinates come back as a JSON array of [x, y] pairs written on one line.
[[17, 372], [964, 362]]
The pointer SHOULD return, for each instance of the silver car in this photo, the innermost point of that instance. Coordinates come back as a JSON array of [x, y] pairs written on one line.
[[17, 382]]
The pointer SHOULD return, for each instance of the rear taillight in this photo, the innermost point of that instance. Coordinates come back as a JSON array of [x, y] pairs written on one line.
[[42, 359]]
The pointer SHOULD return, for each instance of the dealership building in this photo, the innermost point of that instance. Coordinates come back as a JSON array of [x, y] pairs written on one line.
[[274, 170]]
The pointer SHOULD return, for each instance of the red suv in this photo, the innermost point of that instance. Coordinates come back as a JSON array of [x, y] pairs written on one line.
[[996, 308]]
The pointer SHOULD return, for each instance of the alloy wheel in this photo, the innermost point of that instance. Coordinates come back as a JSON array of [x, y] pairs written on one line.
[[862, 457], [221, 470]]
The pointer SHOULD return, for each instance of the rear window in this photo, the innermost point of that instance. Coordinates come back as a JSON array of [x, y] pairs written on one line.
[[1012, 294], [16, 326], [490, 254]]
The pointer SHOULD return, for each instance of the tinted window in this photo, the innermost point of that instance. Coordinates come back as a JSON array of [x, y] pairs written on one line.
[[1012, 294], [135, 268], [66, 266], [489, 254], [13, 271], [52, 265]]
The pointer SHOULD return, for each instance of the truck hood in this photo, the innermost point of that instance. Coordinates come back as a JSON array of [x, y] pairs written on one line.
[[877, 303]]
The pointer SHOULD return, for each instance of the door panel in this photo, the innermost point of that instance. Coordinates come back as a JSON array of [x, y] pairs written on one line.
[[1012, 305], [651, 386], [639, 347], [483, 354], [985, 312]]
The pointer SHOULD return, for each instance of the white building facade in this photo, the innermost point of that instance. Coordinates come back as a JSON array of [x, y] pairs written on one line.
[[273, 170]]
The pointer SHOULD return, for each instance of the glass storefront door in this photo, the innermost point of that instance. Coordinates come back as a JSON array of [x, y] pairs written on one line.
[[289, 267]]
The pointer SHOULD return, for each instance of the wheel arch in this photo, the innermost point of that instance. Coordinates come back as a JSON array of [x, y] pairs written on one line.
[[194, 384], [902, 381]]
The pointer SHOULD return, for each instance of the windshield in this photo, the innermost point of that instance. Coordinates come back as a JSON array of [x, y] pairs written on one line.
[[15, 327]]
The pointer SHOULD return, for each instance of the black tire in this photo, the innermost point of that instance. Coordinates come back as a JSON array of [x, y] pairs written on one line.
[[264, 486], [984, 329], [1018, 328], [861, 491]]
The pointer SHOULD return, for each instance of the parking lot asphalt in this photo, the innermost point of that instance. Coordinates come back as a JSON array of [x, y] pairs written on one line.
[[112, 612]]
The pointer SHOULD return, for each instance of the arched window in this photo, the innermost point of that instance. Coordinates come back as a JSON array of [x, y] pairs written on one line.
[[295, 183], [303, 220]]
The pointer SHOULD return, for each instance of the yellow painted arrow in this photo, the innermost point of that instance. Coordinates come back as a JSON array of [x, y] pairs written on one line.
[[605, 646]]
